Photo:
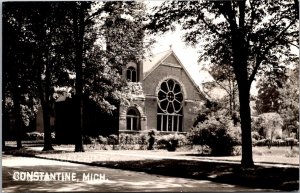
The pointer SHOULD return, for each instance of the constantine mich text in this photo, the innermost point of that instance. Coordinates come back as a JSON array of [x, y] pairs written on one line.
[[57, 176]]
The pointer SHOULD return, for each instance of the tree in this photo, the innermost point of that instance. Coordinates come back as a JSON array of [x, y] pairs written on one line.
[[248, 35], [47, 53], [224, 79], [51, 55], [289, 101], [18, 88], [268, 97], [98, 68]]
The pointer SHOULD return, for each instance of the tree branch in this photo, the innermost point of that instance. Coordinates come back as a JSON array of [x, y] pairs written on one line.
[[263, 55]]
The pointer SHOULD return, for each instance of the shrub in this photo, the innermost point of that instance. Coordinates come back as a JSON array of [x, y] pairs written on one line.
[[255, 135], [269, 125], [102, 140], [142, 141], [88, 140], [113, 139], [213, 132], [34, 135], [151, 139], [171, 141], [133, 141], [261, 142]]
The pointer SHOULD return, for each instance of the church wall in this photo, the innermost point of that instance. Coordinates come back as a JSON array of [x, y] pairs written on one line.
[[151, 82], [171, 59], [191, 96], [151, 112]]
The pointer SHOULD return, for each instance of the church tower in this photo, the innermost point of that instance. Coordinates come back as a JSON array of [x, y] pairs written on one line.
[[124, 41]]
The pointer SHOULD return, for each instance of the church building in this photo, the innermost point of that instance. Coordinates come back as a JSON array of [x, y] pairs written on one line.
[[164, 98]]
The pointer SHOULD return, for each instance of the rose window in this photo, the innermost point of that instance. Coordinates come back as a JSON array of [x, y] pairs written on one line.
[[170, 97], [169, 110]]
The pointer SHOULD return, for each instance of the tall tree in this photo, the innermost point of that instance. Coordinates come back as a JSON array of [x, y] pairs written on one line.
[[17, 77], [43, 29], [268, 97], [80, 11], [98, 68], [251, 35], [51, 55], [289, 101]]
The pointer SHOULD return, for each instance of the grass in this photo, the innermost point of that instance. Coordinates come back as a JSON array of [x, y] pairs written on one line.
[[282, 150], [258, 177]]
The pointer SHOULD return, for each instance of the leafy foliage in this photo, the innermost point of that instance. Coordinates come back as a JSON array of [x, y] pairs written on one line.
[[215, 134], [269, 125], [268, 97], [289, 98], [171, 142], [243, 34], [215, 130]]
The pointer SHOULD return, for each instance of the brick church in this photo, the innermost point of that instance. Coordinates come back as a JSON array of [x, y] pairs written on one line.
[[165, 97]]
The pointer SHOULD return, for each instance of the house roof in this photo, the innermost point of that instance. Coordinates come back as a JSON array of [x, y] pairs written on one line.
[[151, 63]]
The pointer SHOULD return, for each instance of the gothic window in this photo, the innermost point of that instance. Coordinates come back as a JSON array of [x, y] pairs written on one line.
[[133, 120], [131, 74], [169, 110]]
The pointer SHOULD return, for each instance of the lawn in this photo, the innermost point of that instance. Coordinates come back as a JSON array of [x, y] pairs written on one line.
[[187, 163], [262, 154]]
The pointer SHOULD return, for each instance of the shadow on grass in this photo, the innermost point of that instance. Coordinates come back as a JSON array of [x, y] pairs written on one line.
[[202, 155], [24, 152], [257, 177]]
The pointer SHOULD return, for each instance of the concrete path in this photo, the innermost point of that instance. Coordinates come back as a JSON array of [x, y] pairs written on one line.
[[100, 179]]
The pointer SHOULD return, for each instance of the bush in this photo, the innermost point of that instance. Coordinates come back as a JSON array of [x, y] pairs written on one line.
[[255, 135], [133, 141], [171, 142], [34, 136], [268, 125], [89, 140], [113, 139], [213, 132], [102, 140], [261, 142]]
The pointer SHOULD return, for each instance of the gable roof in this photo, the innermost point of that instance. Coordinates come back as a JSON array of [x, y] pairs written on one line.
[[151, 63]]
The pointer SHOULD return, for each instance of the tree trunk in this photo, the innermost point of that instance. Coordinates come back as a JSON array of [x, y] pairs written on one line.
[[240, 56], [233, 97], [240, 68], [17, 113], [45, 95], [230, 98], [245, 114], [78, 26]]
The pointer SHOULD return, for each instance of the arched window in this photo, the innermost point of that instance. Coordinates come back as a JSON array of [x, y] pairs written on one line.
[[131, 74], [169, 106], [133, 120]]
